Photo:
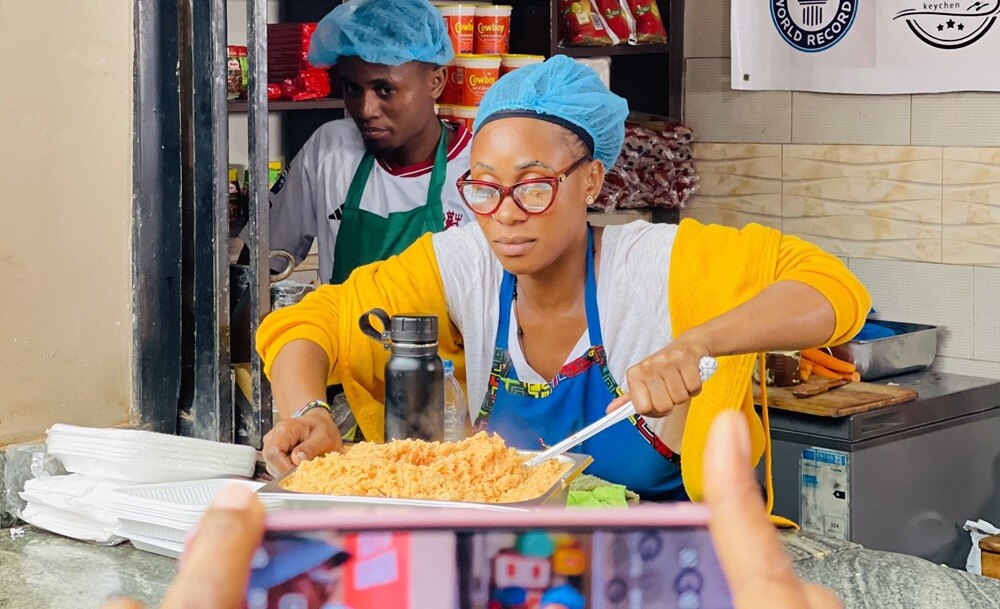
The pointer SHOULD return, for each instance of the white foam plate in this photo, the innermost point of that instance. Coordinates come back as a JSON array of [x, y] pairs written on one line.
[[177, 445], [180, 500], [163, 530], [139, 471], [157, 546], [149, 453]]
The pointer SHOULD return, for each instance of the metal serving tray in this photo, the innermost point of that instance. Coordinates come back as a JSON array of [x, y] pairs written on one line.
[[912, 348], [555, 496]]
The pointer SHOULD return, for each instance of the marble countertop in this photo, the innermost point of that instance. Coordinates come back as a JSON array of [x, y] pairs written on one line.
[[43, 571], [868, 579], [40, 570]]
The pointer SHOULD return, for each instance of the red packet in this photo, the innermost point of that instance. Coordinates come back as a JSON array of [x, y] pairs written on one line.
[[649, 24], [617, 17], [581, 26]]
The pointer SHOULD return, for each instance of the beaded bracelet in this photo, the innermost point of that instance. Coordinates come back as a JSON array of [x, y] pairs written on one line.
[[310, 405]]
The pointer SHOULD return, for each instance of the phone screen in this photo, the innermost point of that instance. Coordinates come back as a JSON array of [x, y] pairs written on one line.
[[489, 568]]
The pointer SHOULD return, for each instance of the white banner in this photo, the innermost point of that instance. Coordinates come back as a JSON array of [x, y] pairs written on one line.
[[866, 46]]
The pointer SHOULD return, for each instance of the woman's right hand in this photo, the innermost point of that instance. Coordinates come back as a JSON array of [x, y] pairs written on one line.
[[293, 441]]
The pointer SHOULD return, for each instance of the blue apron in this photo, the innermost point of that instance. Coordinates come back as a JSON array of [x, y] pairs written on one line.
[[530, 415]]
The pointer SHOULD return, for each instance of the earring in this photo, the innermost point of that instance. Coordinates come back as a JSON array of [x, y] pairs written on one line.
[[590, 199]]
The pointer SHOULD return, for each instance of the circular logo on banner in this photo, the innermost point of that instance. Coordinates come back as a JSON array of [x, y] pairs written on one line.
[[950, 25], [813, 25]]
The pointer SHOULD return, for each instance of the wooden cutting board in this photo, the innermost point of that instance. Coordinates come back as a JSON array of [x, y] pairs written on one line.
[[843, 401]]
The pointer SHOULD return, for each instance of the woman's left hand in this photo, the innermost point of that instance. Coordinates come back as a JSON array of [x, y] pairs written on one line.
[[665, 380]]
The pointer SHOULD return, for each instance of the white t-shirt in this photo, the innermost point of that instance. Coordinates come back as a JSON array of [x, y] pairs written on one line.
[[306, 201], [631, 297]]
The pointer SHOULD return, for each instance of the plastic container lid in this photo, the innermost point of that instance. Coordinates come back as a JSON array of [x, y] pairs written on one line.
[[478, 61], [464, 111], [456, 10], [519, 61], [497, 10], [449, 366], [414, 329]]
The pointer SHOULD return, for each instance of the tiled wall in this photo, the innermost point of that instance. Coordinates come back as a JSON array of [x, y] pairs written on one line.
[[906, 188]]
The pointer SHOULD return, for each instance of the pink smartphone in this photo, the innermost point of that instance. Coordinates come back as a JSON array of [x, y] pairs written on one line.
[[648, 557]]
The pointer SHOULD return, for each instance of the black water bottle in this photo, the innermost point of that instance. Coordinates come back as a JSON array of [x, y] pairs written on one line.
[[414, 375]]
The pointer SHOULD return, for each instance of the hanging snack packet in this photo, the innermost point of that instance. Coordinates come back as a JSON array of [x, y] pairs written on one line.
[[616, 15], [649, 24], [581, 26]]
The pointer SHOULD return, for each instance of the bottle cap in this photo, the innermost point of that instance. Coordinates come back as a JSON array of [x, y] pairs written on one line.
[[414, 329]]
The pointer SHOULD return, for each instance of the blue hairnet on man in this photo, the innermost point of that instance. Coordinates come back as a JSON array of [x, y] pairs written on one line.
[[364, 188]]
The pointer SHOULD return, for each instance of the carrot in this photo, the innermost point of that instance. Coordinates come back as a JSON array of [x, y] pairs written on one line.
[[805, 373], [806, 365], [856, 377], [828, 361], [823, 371]]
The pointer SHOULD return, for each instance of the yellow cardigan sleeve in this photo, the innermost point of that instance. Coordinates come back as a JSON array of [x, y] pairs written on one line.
[[408, 283], [316, 319], [712, 270], [806, 263]]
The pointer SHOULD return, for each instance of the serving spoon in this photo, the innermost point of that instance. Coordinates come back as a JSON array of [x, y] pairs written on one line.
[[706, 367]]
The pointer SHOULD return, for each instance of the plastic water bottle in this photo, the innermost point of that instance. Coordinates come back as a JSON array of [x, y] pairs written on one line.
[[455, 412]]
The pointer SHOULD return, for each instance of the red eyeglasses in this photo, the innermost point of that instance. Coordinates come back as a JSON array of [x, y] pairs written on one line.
[[532, 196]]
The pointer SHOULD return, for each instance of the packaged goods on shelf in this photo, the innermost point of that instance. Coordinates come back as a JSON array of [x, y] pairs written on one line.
[[581, 25], [648, 22], [288, 63], [654, 169], [492, 30]]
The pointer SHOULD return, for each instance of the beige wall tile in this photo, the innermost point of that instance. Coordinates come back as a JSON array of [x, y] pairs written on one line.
[[740, 184], [956, 119], [719, 114], [842, 237], [706, 28], [987, 314], [936, 294], [865, 201], [971, 214], [901, 163], [761, 161], [967, 367], [821, 118], [711, 213], [973, 244]]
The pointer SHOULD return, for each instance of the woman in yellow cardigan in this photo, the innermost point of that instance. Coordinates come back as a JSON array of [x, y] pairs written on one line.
[[554, 322]]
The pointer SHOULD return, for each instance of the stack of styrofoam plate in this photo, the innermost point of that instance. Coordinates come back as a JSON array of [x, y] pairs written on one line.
[[157, 517], [143, 456], [73, 505]]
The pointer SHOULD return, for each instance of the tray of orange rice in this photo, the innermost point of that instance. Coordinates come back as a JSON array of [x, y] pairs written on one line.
[[478, 472]]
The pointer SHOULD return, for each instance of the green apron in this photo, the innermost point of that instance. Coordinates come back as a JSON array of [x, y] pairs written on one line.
[[365, 237]]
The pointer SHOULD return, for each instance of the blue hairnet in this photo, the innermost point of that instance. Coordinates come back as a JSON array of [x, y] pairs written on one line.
[[388, 32], [568, 91]]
